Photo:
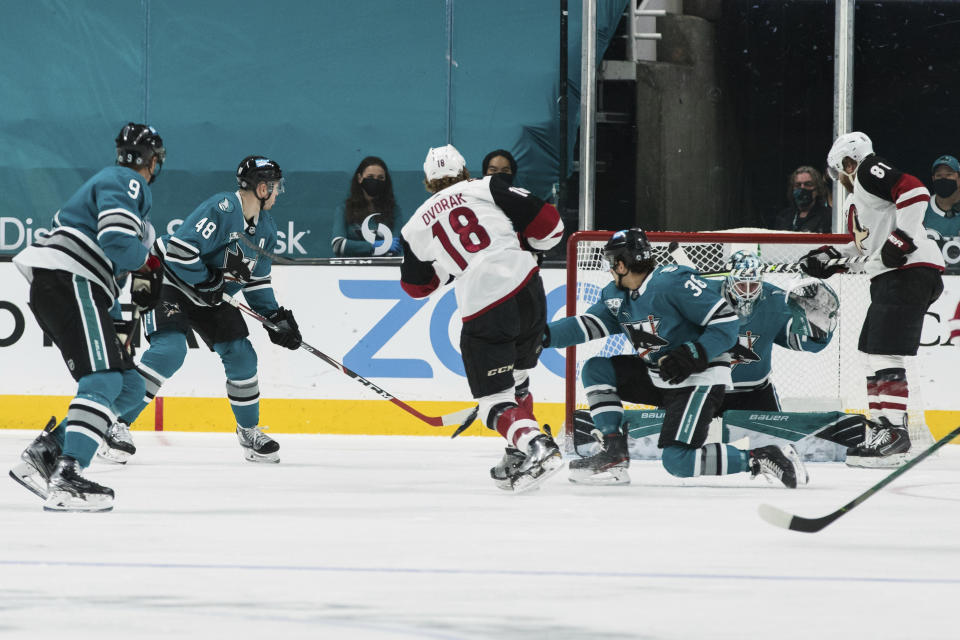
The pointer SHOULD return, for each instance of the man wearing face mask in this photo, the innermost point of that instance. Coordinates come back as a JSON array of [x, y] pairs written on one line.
[[944, 207], [368, 221], [808, 210]]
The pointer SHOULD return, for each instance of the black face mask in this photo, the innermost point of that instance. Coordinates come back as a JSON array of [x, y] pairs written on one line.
[[802, 197], [373, 187], [944, 187], [508, 177]]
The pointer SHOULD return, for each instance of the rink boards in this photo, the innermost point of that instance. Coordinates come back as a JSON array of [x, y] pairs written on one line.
[[361, 317]]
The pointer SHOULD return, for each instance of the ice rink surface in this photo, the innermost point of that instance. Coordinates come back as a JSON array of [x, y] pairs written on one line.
[[406, 537]]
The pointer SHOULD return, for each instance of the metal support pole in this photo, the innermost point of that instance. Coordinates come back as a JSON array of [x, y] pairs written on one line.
[[588, 112], [842, 93], [562, 112]]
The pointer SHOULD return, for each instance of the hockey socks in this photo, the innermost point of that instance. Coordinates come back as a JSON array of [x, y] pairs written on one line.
[[243, 388], [518, 426], [90, 415], [709, 460]]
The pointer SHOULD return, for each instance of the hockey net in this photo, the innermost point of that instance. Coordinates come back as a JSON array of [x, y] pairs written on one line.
[[831, 380]]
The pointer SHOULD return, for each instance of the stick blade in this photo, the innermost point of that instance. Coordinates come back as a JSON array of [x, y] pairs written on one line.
[[784, 520], [464, 418]]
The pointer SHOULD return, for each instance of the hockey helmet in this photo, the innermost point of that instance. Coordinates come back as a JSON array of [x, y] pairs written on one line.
[[443, 162], [631, 247], [854, 145], [137, 144], [253, 170], [743, 288]]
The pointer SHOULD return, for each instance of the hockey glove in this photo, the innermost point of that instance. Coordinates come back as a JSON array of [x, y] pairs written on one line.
[[289, 331], [145, 284], [814, 263], [123, 329], [211, 289], [688, 358], [894, 251]]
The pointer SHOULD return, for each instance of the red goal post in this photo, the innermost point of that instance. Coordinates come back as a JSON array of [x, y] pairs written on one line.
[[830, 380]]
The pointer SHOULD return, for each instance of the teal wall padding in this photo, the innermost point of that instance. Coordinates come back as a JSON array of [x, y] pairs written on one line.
[[314, 85]]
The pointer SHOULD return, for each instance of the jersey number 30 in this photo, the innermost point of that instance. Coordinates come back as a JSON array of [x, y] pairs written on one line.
[[473, 237]]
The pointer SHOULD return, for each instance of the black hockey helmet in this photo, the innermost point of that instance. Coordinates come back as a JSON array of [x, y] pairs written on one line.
[[256, 169], [631, 247], [137, 144]]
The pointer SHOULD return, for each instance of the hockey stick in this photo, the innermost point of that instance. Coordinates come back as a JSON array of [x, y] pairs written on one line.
[[784, 520], [134, 330], [786, 267], [463, 417], [278, 259]]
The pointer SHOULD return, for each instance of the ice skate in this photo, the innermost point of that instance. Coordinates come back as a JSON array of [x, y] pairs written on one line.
[[503, 473], [70, 491], [543, 459], [258, 446], [117, 444], [38, 461], [781, 463], [885, 446], [608, 466]]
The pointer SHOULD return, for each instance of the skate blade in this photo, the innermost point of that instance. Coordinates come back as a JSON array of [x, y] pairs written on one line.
[[885, 462], [526, 482], [610, 477], [30, 479], [112, 456], [252, 456], [62, 501]]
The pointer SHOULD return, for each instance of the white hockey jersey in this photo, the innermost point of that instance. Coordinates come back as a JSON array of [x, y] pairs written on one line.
[[885, 199], [482, 234]]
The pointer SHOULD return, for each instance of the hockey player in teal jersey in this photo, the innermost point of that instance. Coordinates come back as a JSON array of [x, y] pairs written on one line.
[[75, 271], [196, 259], [683, 333]]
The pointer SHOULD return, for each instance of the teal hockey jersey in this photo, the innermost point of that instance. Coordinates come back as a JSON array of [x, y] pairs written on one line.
[[674, 305], [207, 241], [98, 232], [769, 324]]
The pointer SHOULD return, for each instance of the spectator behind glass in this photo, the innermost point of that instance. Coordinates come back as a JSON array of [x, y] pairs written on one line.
[[500, 161], [809, 209], [941, 215], [371, 205]]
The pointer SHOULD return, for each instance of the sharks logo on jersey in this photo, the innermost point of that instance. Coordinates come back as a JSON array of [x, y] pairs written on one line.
[[643, 334], [743, 352], [237, 264]]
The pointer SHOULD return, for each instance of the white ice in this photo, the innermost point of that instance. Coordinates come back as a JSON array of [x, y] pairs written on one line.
[[406, 537]]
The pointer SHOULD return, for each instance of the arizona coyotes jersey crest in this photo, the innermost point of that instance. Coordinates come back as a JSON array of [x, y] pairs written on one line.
[[471, 231], [885, 199]]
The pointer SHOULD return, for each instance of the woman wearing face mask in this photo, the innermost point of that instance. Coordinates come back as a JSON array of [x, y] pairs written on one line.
[[943, 211], [368, 222], [500, 161], [808, 210]]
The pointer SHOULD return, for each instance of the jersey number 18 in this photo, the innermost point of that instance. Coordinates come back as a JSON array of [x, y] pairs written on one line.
[[473, 237]]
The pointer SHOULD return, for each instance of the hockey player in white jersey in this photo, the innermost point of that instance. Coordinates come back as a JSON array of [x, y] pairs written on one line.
[[884, 214], [482, 234]]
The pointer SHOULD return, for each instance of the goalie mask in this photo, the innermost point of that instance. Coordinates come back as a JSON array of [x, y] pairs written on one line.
[[743, 288]]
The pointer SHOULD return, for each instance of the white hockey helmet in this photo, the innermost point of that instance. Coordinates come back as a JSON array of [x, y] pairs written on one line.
[[854, 145], [443, 162]]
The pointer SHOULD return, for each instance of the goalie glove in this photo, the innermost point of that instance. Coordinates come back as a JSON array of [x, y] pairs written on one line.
[[288, 335], [815, 308], [894, 251], [814, 263], [145, 284], [679, 364]]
